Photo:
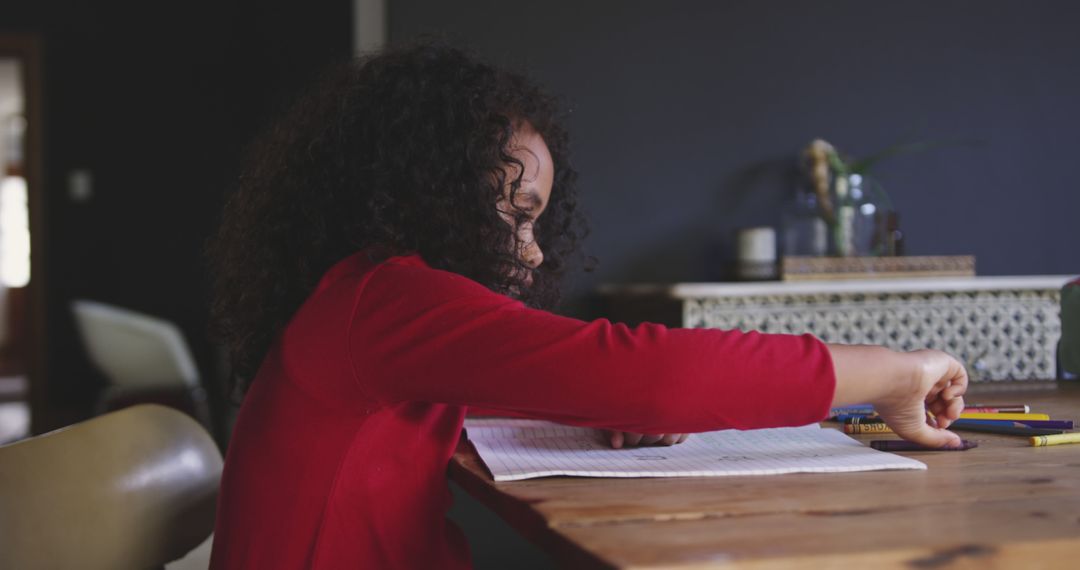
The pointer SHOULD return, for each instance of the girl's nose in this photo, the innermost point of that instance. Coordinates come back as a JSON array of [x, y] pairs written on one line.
[[533, 255]]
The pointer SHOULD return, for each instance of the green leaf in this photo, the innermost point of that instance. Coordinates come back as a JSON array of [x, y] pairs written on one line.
[[861, 166]]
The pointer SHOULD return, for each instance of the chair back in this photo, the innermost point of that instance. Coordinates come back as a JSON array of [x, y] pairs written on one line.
[[134, 350], [134, 488]]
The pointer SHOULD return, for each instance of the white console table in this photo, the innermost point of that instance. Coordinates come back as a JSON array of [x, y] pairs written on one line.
[[1002, 328]]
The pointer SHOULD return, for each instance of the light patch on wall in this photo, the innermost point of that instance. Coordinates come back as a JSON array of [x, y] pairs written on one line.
[[14, 216]]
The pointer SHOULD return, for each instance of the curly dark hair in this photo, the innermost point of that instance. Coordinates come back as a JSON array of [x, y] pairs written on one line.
[[405, 151]]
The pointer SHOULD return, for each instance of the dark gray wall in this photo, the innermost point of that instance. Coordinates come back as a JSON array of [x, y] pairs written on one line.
[[687, 116]]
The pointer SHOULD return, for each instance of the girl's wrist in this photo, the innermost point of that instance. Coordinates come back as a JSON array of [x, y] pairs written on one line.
[[867, 374], [902, 382]]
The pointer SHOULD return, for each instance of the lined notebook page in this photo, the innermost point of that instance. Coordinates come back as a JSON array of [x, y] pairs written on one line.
[[515, 449]]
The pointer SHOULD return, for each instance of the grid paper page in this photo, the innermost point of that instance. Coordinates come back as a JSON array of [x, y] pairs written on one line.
[[515, 449]]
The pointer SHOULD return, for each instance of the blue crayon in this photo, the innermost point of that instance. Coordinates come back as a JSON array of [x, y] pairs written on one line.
[[856, 410], [843, 418]]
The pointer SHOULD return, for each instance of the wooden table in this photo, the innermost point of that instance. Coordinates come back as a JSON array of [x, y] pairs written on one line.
[[1002, 504]]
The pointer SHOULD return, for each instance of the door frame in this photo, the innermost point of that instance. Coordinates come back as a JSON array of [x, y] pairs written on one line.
[[27, 48]]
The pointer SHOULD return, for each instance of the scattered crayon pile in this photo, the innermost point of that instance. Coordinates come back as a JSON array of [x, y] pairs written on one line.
[[1008, 419]]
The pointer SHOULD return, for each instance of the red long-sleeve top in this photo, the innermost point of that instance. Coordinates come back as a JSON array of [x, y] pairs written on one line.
[[339, 454]]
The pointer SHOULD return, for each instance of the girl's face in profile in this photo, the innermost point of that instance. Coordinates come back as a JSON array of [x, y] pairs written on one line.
[[532, 197]]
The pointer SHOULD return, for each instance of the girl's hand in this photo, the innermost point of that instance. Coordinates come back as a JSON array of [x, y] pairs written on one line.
[[903, 386], [618, 439], [938, 384]]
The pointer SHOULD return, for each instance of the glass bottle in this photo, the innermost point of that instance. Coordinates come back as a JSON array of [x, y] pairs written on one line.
[[803, 231]]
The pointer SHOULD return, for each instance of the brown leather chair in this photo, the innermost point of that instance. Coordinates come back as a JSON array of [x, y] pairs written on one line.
[[135, 488]]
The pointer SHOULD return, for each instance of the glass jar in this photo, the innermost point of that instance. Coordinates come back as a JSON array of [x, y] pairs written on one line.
[[859, 227]]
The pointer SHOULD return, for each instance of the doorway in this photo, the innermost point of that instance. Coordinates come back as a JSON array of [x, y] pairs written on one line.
[[21, 316]]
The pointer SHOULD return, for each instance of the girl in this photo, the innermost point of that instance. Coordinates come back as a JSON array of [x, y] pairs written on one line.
[[385, 263]]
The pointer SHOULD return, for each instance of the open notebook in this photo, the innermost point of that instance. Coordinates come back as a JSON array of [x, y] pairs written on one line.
[[515, 449]]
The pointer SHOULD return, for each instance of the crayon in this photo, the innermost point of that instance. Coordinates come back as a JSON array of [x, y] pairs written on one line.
[[867, 428], [981, 416], [859, 410], [845, 417], [1055, 424], [1044, 440], [1002, 408], [1005, 430], [901, 445], [864, 420]]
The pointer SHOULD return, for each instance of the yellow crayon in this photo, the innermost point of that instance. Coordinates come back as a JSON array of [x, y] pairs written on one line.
[[1013, 417], [1043, 440]]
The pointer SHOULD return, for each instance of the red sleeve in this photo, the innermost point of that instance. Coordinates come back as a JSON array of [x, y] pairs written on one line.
[[420, 334], [476, 411]]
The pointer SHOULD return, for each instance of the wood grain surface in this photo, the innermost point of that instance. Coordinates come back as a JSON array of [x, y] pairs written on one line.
[[1002, 504]]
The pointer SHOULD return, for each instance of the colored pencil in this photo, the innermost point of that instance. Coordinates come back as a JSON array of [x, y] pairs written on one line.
[[981, 416], [1006, 430], [999, 408], [1053, 424]]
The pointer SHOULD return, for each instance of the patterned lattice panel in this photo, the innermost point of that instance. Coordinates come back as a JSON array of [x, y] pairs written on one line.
[[999, 334]]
